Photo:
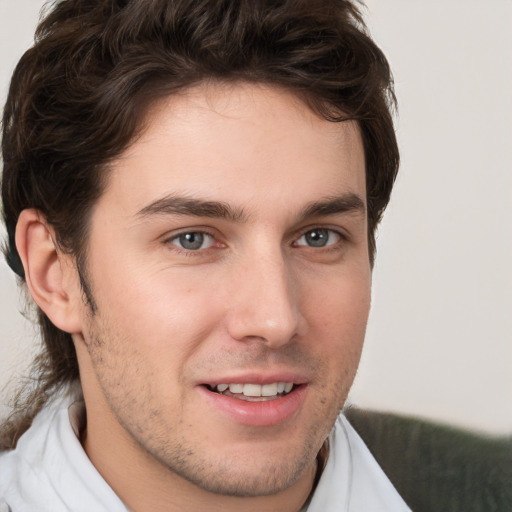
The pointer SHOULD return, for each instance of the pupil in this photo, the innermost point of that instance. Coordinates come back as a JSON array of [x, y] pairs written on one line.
[[191, 241], [317, 237]]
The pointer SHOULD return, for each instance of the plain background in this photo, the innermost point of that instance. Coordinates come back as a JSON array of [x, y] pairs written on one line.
[[439, 340]]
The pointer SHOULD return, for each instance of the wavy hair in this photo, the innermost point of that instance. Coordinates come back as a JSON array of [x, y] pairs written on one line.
[[78, 97]]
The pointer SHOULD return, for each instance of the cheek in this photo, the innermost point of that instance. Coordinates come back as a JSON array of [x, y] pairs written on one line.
[[341, 306], [337, 318], [167, 312]]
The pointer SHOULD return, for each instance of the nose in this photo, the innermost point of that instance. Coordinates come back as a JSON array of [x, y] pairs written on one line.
[[265, 304]]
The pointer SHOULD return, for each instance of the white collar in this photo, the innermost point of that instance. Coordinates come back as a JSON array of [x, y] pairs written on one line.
[[50, 472], [352, 480]]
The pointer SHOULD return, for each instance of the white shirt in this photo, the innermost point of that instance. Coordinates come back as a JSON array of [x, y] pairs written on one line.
[[50, 472]]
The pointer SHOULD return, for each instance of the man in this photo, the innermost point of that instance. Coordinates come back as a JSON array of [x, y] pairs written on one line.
[[191, 191]]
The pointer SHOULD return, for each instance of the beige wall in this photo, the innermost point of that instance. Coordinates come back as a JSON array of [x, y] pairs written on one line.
[[440, 336]]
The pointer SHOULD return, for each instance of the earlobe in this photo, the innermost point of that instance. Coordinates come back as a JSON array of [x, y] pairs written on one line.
[[48, 271]]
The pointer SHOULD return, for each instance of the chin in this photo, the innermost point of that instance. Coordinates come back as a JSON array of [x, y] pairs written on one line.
[[244, 482], [242, 471]]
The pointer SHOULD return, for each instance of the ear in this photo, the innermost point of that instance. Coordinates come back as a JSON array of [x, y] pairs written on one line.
[[50, 275]]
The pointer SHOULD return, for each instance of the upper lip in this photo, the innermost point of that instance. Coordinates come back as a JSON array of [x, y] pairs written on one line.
[[258, 378]]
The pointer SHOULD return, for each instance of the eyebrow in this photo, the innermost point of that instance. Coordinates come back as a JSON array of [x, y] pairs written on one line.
[[180, 205], [346, 203]]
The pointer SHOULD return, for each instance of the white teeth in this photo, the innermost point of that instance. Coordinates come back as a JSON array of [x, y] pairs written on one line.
[[256, 390], [252, 390], [269, 389], [236, 388]]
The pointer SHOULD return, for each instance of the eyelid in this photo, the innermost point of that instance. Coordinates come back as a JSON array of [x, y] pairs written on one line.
[[169, 239], [174, 233], [340, 232], [207, 239]]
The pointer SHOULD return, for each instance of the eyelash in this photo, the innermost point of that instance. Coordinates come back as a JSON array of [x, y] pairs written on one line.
[[330, 246], [190, 252], [196, 252]]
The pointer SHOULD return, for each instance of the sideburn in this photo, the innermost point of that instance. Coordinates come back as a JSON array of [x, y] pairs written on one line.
[[85, 286]]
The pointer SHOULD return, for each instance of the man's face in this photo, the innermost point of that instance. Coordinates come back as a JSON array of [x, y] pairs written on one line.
[[229, 248]]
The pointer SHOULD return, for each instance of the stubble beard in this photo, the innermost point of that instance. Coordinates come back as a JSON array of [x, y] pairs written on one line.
[[166, 445]]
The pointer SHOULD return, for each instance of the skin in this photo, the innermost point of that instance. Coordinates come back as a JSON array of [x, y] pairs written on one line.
[[256, 298]]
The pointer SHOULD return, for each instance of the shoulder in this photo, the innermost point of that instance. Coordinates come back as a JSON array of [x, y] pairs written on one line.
[[26, 471], [4, 507]]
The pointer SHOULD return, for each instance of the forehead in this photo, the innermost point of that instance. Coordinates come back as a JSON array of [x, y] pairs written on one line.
[[240, 143]]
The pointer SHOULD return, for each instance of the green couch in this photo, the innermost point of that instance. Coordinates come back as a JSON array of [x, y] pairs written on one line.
[[437, 468]]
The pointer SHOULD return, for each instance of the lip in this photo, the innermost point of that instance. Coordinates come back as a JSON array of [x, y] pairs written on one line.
[[257, 414], [258, 378]]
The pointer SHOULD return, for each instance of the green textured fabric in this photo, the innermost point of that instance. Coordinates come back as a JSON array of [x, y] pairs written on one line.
[[438, 468]]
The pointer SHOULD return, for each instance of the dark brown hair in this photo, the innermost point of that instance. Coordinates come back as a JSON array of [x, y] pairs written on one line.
[[78, 97]]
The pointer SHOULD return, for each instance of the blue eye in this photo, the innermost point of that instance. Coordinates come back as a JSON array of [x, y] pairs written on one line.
[[193, 241], [319, 237]]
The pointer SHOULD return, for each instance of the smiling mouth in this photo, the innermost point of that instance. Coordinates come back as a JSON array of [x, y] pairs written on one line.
[[254, 392]]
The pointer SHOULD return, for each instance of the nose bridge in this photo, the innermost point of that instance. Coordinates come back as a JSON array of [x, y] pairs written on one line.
[[266, 303]]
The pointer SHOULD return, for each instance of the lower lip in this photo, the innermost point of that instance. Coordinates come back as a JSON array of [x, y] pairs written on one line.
[[258, 414]]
